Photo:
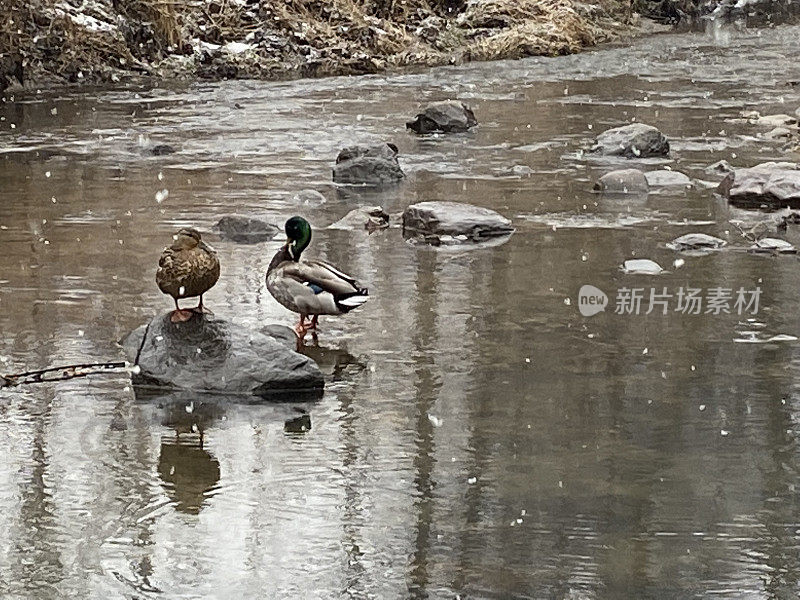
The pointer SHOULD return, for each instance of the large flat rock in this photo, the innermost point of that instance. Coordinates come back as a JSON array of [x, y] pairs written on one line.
[[453, 222], [206, 354], [775, 185]]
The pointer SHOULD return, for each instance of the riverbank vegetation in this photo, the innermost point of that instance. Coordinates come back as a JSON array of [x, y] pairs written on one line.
[[105, 40]]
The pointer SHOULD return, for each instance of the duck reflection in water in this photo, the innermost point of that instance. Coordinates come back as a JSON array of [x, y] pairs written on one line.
[[189, 472], [331, 361]]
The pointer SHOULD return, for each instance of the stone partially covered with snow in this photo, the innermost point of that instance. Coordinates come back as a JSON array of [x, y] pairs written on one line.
[[641, 266], [370, 218], [309, 197], [776, 120], [774, 184], [773, 245], [623, 181], [696, 241], [368, 165], [453, 222], [206, 354], [245, 230], [445, 117], [636, 140]]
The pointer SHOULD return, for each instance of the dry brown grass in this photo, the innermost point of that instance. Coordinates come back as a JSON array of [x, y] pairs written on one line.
[[315, 37]]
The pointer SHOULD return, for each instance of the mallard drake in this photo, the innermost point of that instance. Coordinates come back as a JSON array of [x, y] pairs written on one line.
[[310, 287], [187, 268]]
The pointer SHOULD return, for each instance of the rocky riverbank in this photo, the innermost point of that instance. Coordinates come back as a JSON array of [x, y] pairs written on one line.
[[56, 41]]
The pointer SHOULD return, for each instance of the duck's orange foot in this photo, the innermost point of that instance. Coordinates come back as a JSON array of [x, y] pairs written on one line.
[[181, 316]]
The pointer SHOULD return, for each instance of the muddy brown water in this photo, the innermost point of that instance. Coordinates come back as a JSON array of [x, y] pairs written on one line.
[[478, 437]]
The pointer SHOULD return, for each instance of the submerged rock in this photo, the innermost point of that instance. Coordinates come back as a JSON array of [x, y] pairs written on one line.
[[696, 241], [446, 117], [453, 222], [636, 140], [245, 230], [368, 165], [776, 185], [623, 181], [159, 150], [299, 424], [720, 167], [370, 218], [641, 266], [309, 198], [779, 133], [667, 178], [206, 354], [774, 245]]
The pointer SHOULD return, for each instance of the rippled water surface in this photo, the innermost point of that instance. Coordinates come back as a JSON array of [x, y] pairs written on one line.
[[478, 437]]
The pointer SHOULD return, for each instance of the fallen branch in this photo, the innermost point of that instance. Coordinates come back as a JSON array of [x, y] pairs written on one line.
[[61, 373]]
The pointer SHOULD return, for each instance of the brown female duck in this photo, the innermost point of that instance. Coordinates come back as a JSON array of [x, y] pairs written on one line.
[[187, 268]]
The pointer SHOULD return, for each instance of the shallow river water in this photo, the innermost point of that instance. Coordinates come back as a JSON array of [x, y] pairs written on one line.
[[478, 437]]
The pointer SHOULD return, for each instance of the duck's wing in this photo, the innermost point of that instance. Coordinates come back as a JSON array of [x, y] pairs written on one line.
[[322, 276]]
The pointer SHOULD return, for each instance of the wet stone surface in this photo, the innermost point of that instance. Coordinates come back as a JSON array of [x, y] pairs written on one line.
[[776, 185], [368, 165], [446, 117], [453, 222], [206, 354], [636, 140], [623, 181]]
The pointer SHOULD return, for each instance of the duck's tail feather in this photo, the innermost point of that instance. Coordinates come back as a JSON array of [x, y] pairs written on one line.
[[347, 302]]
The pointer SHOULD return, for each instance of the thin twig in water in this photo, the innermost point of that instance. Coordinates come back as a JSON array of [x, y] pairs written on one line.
[[60, 373]]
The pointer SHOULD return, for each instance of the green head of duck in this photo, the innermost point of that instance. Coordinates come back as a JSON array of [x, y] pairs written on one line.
[[298, 231]]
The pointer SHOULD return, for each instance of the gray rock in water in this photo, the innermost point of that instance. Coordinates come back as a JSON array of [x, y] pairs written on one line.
[[245, 230], [775, 245], [211, 355], [696, 241], [667, 178], [641, 266], [453, 222], [636, 140], [776, 185], [387, 151], [160, 150], [370, 218], [623, 181], [447, 117], [368, 165]]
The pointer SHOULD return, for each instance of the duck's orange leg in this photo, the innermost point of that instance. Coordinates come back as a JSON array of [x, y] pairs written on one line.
[[301, 328]]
